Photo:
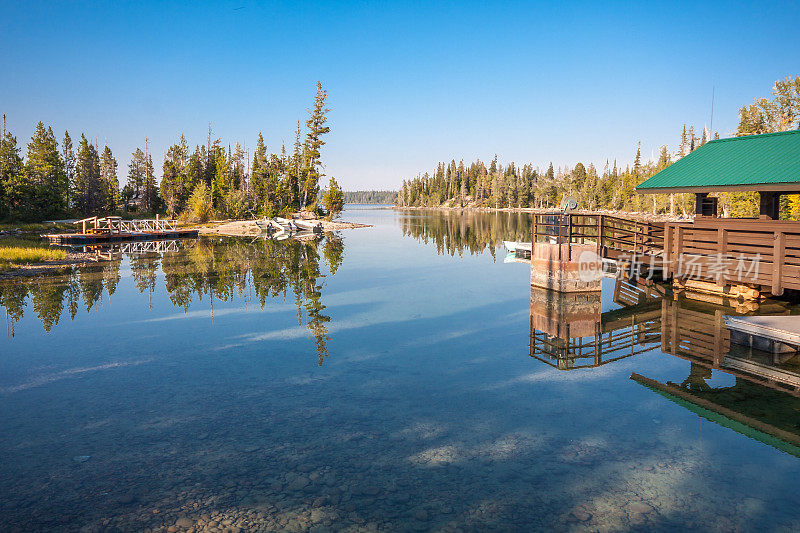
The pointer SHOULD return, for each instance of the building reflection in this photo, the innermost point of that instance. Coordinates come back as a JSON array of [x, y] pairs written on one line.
[[569, 332]]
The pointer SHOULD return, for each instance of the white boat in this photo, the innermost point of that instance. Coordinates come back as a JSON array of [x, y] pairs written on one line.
[[513, 246]]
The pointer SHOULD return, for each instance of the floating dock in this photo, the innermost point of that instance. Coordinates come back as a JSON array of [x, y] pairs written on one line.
[[775, 334], [102, 230]]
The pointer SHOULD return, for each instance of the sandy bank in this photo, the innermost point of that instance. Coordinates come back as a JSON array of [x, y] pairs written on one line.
[[242, 228]]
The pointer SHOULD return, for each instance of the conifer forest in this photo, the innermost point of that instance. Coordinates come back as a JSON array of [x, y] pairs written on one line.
[[76, 178]]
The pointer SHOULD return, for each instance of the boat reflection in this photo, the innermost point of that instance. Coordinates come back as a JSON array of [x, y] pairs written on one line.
[[568, 332]]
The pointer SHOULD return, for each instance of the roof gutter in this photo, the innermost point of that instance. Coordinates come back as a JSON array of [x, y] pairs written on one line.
[[786, 188]]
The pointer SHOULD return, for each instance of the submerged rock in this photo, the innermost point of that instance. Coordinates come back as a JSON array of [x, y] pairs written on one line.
[[299, 483], [184, 522], [640, 508], [581, 515]]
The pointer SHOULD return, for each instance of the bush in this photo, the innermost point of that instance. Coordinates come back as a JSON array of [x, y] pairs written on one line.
[[200, 206], [333, 199]]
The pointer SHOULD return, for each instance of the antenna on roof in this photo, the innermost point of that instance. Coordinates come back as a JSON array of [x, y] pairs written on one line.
[[711, 128]]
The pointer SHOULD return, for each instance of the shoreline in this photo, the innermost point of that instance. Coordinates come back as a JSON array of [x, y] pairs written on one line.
[[541, 211], [248, 228], [228, 228], [49, 267]]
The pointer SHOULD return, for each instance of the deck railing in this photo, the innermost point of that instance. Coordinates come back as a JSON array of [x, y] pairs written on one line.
[[759, 253], [115, 225], [613, 340], [726, 251], [613, 236]]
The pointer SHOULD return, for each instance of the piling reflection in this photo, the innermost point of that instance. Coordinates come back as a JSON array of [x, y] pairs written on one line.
[[568, 332], [194, 272]]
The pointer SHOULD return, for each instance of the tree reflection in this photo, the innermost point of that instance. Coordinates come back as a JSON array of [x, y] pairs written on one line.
[[453, 232], [217, 269]]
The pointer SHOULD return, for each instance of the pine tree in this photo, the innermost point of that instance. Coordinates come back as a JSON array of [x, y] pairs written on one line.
[[663, 158], [175, 182], [15, 194], [149, 190], [109, 181], [316, 128], [297, 178], [258, 176], [333, 200], [221, 184], [89, 191], [136, 174], [237, 167], [68, 159], [45, 174], [684, 143]]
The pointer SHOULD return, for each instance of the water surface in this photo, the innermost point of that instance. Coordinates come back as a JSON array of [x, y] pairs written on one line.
[[400, 377]]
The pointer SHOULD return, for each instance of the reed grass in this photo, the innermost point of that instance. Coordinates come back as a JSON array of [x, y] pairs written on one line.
[[14, 252]]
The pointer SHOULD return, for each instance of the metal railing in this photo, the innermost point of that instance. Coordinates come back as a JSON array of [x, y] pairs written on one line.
[[114, 225]]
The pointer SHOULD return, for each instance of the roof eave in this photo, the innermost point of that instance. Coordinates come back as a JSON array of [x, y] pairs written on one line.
[[787, 187]]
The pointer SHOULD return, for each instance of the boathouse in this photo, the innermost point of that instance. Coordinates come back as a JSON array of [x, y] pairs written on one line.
[[738, 257], [768, 164], [766, 248]]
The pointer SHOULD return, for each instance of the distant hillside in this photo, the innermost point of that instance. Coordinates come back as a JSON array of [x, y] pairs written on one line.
[[370, 197]]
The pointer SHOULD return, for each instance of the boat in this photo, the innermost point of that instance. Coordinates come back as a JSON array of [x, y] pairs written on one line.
[[513, 246]]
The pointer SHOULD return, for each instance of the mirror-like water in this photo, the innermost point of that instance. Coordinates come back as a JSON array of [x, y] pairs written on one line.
[[400, 377]]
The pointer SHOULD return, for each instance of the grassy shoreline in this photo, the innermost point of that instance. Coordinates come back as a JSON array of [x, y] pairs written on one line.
[[16, 252]]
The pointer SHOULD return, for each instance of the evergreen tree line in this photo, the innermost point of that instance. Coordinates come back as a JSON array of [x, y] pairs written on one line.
[[513, 186], [54, 181], [370, 197]]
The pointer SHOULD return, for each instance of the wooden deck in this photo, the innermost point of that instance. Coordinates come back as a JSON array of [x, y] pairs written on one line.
[[718, 254]]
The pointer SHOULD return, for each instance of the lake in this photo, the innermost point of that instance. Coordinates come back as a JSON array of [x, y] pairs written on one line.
[[399, 377]]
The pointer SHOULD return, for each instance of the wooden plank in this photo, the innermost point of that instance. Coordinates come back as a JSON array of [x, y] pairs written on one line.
[[780, 242]]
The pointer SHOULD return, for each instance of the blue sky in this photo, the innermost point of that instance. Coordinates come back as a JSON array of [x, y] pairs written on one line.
[[409, 83]]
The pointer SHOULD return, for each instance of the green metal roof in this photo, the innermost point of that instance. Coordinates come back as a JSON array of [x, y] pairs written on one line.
[[755, 162]]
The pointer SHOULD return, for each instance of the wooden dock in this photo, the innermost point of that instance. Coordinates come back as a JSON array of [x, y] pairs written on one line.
[[776, 334], [102, 230], [736, 257]]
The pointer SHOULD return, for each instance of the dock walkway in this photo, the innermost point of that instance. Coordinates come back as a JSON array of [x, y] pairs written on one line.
[[100, 230], [783, 332]]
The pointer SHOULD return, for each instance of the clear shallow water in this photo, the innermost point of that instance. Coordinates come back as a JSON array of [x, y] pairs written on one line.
[[381, 379]]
